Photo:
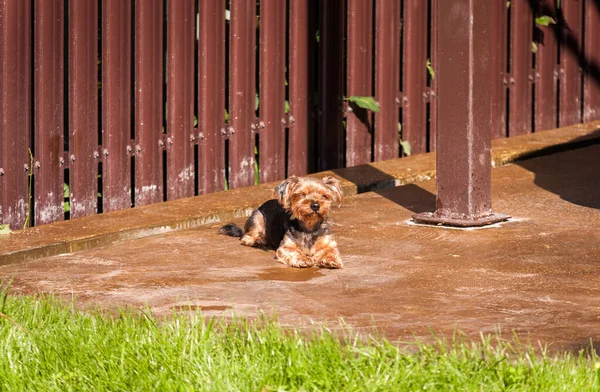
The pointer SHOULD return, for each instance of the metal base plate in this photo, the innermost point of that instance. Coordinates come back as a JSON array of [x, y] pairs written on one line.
[[430, 218]]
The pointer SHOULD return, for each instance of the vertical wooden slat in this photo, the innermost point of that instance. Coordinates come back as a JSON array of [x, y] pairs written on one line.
[[520, 92], [498, 64], [116, 104], [414, 127], [241, 93], [49, 118], [387, 63], [272, 89], [591, 75], [15, 113], [433, 104], [359, 58], [570, 20], [180, 98], [546, 60], [299, 84], [211, 95], [83, 106], [330, 141], [148, 101]]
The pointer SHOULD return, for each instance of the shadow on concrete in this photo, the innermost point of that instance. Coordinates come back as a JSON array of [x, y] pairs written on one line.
[[572, 176], [410, 196]]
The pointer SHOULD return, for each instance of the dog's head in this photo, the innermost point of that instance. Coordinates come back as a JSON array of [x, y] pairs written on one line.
[[308, 198]]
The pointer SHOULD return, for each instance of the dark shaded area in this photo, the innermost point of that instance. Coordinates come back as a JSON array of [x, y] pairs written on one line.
[[368, 176], [574, 177], [564, 35], [410, 196]]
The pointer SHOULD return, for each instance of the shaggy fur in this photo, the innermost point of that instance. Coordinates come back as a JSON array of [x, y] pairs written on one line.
[[295, 223]]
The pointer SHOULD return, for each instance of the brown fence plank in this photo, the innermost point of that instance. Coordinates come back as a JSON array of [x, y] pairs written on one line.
[[83, 106], [520, 91], [546, 60], [387, 75], [15, 117], [360, 54], [570, 20], [180, 98], [591, 75], [499, 58], [116, 104], [414, 127], [148, 98], [330, 142], [301, 43], [272, 89], [49, 118], [211, 95], [433, 104], [241, 93]]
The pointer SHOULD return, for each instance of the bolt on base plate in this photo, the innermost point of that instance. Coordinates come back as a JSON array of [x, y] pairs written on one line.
[[431, 218]]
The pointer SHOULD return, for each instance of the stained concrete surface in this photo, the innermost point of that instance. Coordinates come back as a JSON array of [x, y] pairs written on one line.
[[537, 275]]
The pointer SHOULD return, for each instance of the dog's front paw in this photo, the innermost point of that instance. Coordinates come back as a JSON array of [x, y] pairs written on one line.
[[293, 258], [331, 261]]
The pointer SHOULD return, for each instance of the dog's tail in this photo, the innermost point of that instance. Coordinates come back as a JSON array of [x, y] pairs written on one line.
[[231, 230]]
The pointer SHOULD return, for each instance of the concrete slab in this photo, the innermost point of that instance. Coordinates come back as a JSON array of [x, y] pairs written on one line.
[[537, 275]]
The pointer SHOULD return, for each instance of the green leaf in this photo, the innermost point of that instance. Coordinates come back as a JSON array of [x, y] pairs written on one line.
[[287, 106], [67, 206], [430, 69], [544, 20], [318, 36], [508, 4], [4, 229], [533, 47], [226, 116], [256, 101], [195, 121], [404, 144], [405, 147], [368, 103], [67, 192]]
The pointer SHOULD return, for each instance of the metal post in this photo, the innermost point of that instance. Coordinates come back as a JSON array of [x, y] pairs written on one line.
[[464, 43]]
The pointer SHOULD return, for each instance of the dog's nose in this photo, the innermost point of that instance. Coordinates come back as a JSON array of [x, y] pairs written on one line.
[[315, 207]]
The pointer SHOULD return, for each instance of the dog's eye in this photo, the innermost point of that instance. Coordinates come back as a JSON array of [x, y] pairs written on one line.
[[325, 197], [302, 194]]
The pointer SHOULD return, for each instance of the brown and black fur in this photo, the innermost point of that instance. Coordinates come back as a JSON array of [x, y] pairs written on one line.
[[295, 224]]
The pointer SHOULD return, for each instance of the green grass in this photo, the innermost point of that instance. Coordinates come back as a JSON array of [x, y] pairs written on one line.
[[47, 346]]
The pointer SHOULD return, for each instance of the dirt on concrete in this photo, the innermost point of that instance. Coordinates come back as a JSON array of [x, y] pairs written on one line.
[[537, 275]]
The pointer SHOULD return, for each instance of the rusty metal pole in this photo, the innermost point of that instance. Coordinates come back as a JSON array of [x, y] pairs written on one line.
[[464, 44]]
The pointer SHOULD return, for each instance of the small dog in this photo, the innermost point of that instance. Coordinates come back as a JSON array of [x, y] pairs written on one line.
[[295, 223]]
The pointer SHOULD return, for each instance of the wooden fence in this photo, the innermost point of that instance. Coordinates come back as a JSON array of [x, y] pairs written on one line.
[[110, 104]]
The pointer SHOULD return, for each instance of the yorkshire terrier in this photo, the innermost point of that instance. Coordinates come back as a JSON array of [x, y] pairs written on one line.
[[295, 223]]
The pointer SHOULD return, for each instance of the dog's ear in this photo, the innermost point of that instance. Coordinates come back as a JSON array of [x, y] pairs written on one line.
[[285, 189], [333, 184]]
